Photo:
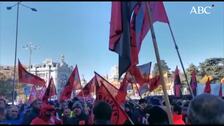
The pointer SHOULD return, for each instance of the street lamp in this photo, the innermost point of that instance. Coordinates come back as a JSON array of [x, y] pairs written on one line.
[[30, 46], [17, 20]]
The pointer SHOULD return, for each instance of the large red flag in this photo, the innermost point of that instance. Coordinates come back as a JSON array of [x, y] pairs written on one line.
[[127, 32], [72, 83], [103, 94], [193, 82], [140, 24], [220, 90], [113, 90], [50, 91], [26, 77], [88, 89], [177, 83], [120, 40], [207, 88]]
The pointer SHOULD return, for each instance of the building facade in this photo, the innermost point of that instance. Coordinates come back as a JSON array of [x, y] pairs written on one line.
[[59, 71]]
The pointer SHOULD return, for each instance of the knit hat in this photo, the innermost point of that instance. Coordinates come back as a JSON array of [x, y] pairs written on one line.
[[77, 104]]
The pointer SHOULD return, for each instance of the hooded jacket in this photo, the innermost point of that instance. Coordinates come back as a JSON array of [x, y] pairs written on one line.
[[42, 119]]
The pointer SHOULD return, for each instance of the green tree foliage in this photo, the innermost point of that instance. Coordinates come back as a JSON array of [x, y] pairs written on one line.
[[164, 66], [213, 67]]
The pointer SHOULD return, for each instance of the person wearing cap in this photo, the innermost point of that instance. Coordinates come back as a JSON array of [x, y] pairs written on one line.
[[45, 115], [79, 118]]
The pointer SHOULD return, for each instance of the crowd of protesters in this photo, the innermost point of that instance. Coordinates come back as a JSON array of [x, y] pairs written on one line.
[[203, 109]]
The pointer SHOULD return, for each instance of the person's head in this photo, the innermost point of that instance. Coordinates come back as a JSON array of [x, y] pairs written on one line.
[[66, 112], [77, 108], [36, 104], [46, 111], [177, 108], [143, 103], [157, 116], [127, 107], [102, 111], [206, 109], [2, 114], [13, 112], [2, 103]]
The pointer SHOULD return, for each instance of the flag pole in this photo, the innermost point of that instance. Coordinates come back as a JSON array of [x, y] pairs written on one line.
[[176, 47], [136, 86], [159, 66]]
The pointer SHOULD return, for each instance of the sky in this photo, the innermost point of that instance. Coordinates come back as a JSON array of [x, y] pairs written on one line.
[[80, 31]]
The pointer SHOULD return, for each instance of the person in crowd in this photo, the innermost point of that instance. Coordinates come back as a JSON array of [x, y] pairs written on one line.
[[79, 117], [13, 116], [45, 116], [206, 109], [177, 114], [3, 103], [158, 116], [2, 116], [102, 113], [66, 116], [33, 112]]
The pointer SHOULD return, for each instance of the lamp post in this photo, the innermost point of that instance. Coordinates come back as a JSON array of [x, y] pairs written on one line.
[[17, 24], [30, 46]]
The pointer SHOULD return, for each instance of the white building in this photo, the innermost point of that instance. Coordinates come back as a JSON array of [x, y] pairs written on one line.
[[59, 71]]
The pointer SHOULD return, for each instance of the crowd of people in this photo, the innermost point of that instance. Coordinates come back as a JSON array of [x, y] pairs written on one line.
[[203, 109]]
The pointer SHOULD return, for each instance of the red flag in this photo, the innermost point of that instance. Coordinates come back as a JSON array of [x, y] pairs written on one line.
[[113, 90], [122, 92], [139, 78], [33, 95], [103, 94], [193, 82], [140, 24], [50, 91], [177, 83], [207, 88], [73, 83], [26, 77], [154, 83], [220, 90], [88, 89]]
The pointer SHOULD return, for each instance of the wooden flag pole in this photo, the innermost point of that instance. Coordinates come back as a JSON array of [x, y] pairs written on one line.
[[176, 47], [159, 66]]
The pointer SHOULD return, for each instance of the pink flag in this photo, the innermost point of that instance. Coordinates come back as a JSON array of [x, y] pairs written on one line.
[[220, 90], [177, 83], [207, 88], [33, 95]]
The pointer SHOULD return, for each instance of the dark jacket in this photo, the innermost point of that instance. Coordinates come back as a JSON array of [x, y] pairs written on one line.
[[30, 115], [102, 122], [79, 119]]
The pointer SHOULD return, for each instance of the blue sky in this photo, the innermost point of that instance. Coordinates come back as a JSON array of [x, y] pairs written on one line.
[[80, 31]]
